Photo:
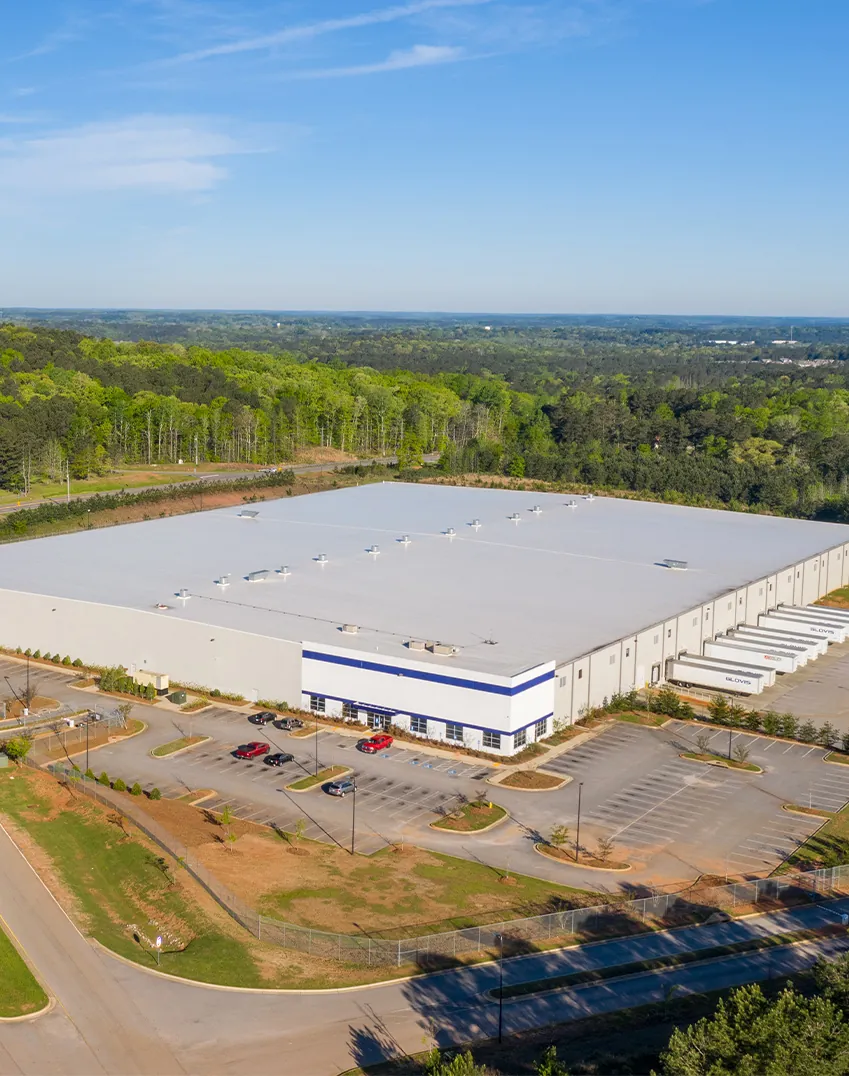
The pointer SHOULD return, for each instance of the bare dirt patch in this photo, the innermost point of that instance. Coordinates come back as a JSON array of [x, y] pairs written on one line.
[[532, 780], [39, 705]]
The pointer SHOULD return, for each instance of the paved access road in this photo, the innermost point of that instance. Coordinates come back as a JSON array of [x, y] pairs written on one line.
[[114, 1018]]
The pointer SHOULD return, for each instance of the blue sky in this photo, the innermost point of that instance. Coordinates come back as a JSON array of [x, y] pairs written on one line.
[[653, 156]]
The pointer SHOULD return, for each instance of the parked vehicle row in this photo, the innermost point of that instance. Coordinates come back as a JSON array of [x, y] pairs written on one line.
[[267, 717], [257, 749]]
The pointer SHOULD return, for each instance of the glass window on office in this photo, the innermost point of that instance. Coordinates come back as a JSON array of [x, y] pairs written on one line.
[[454, 732], [317, 703], [492, 741], [377, 721], [541, 729], [418, 725], [520, 738], [350, 712]]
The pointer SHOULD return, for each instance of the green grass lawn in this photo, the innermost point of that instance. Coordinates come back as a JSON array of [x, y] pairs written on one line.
[[471, 817], [643, 718], [20, 994], [125, 893], [828, 847], [319, 778], [178, 745], [57, 491]]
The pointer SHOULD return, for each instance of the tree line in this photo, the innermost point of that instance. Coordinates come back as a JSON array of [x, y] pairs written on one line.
[[708, 432]]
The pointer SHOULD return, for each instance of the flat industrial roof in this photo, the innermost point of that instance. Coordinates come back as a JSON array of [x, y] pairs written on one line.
[[554, 585]]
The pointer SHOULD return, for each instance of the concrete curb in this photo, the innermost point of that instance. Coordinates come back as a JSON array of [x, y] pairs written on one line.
[[180, 750], [722, 764], [318, 784], [498, 782], [538, 848], [469, 832], [834, 762], [792, 808]]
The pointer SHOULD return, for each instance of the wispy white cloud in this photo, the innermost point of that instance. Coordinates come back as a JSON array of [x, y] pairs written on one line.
[[399, 60], [166, 154], [306, 31], [73, 29]]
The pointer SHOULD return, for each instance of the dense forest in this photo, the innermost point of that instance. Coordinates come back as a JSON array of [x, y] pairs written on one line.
[[599, 405]]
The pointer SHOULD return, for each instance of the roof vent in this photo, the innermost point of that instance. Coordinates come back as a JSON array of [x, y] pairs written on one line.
[[590, 497], [284, 571], [259, 576], [404, 539], [248, 513], [475, 524], [676, 565], [224, 581], [515, 517], [161, 606], [321, 558], [450, 533], [415, 644], [373, 550], [571, 504], [350, 629], [183, 594], [536, 510]]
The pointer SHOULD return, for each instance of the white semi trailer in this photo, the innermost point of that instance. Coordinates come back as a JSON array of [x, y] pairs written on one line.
[[802, 653], [829, 610], [767, 671], [783, 661], [695, 674], [814, 644], [819, 616], [801, 626]]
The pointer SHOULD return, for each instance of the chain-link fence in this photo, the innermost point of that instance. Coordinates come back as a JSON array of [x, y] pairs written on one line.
[[695, 905]]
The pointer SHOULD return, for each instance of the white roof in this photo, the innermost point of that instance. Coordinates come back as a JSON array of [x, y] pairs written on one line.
[[553, 586]]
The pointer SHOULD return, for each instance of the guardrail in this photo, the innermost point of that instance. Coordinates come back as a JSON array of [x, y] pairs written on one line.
[[515, 934]]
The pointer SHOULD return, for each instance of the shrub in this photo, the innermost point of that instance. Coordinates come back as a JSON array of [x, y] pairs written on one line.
[[18, 650], [57, 659], [136, 790], [215, 693], [89, 774], [77, 663], [666, 701], [807, 732], [752, 721], [736, 715], [772, 723], [150, 692], [155, 794], [103, 779], [789, 725], [28, 652], [719, 709], [66, 660], [827, 734], [686, 711], [844, 742], [120, 785], [37, 654]]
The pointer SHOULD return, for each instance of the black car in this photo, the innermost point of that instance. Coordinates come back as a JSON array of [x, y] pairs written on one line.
[[263, 718], [280, 758], [289, 724]]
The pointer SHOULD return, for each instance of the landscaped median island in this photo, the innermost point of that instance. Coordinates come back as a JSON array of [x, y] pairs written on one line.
[[20, 992], [329, 773], [675, 960], [599, 862], [796, 808], [532, 781], [181, 744], [471, 818], [718, 760], [836, 756]]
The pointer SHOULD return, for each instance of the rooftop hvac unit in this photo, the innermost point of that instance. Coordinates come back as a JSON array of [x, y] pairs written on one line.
[[350, 629], [321, 558], [675, 565], [536, 510], [284, 571], [589, 497], [415, 644], [248, 513], [373, 550], [475, 523], [183, 593], [257, 577], [515, 517], [224, 581], [571, 504], [404, 539], [450, 532], [441, 648]]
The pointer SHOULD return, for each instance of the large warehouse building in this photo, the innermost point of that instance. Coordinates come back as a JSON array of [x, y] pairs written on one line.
[[467, 615]]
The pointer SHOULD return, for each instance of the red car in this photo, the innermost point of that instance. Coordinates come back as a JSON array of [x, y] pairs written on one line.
[[376, 743], [252, 750]]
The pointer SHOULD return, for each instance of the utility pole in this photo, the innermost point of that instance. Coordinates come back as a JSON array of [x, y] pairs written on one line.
[[353, 817]]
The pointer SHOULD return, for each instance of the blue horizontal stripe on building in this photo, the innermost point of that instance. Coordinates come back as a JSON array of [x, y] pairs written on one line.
[[433, 678], [383, 712]]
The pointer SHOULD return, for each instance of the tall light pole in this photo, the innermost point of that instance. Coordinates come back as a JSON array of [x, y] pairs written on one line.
[[353, 817], [730, 734], [316, 742], [500, 986], [86, 745], [578, 831]]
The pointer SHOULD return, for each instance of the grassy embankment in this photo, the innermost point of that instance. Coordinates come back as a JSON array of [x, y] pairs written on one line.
[[20, 993]]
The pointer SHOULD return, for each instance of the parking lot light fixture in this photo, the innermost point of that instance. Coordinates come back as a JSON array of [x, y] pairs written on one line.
[[353, 818], [730, 734], [578, 828], [500, 938], [316, 742]]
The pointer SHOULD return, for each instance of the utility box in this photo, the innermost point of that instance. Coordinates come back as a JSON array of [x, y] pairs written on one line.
[[158, 680], [177, 697]]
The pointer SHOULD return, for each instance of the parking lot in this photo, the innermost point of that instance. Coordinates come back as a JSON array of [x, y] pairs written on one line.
[[396, 789]]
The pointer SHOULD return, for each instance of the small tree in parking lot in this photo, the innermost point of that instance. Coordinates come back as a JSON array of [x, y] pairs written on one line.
[[604, 848], [788, 725], [741, 753], [844, 742], [703, 743], [752, 721], [827, 735], [807, 732], [718, 709], [559, 836]]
